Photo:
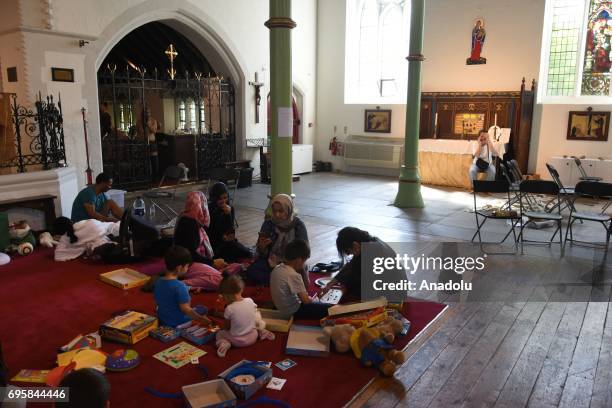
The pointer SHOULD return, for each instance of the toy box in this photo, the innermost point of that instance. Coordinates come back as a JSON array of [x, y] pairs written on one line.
[[307, 341], [367, 318], [356, 307], [196, 333], [246, 377], [124, 278], [129, 327], [209, 394], [164, 334], [92, 340], [275, 321]]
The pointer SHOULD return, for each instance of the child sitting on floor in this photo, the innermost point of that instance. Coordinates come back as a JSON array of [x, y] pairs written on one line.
[[243, 323], [87, 388], [172, 295], [287, 286]]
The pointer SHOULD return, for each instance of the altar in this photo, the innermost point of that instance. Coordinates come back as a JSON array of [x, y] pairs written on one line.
[[446, 162]]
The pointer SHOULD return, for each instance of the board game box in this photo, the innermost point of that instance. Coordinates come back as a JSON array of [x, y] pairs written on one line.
[[246, 377], [198, 334], [129, 327], [209, 394], [124, 278], [307, 341], [179, 355]]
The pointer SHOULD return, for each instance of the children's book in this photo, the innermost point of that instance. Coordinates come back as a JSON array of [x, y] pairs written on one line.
[[32, 376], [179, 355]]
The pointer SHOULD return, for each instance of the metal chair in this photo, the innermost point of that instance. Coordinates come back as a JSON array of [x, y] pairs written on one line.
[[513, 185], [590, 189], [482, 215], [546, 188], [566, 193], [583, 174]]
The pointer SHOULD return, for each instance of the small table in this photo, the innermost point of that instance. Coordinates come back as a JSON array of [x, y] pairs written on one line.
[[44, 203]]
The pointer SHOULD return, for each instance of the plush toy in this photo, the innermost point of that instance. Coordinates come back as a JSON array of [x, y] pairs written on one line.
[[340, 336], [45, 239], [371, 345], [22, 238], [374, 351]]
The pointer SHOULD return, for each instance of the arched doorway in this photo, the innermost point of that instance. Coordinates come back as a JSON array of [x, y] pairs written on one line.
[[162, 104]]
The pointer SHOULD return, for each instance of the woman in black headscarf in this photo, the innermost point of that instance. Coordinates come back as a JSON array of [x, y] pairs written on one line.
[[221, 230]]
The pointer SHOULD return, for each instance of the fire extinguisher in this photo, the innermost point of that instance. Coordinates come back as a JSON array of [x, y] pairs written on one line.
[[333, 146]]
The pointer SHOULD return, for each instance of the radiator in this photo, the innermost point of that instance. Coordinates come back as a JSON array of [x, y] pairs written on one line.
[[372, 154]]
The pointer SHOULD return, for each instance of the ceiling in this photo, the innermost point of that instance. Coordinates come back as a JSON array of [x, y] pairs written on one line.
[[146, 46]]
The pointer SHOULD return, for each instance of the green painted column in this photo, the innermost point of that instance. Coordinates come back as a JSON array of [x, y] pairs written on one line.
[[409, 190], [280, 25]]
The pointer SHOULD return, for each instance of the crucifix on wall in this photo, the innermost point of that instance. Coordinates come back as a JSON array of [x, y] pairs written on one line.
[[257, 85]]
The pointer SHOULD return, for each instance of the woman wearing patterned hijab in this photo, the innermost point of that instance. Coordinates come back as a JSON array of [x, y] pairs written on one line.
[[190, 230], [275, 233]]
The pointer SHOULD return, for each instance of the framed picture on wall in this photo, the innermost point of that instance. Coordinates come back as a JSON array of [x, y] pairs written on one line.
[[588, 125], [377, 120], [62, 74]]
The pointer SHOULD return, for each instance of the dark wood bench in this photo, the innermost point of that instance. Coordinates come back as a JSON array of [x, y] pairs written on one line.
[[44, 203]]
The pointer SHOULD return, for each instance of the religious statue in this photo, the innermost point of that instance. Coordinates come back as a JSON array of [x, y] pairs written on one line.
[[478, 39], [257, 85]]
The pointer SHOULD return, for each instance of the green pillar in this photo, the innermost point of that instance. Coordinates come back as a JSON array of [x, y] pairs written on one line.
[[280, 25], [409, 190]]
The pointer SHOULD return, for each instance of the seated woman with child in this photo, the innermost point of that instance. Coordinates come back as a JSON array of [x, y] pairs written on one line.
[[276, 232]]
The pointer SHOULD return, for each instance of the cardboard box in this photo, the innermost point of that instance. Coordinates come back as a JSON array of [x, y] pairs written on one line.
[[209, 394], [198, 334], [124, 278], [128, 328], [307, 341], [246, 391], [165, 334], [275, 321], [357, 307]]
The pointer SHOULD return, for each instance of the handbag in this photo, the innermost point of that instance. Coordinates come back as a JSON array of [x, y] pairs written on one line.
[[482, 165]]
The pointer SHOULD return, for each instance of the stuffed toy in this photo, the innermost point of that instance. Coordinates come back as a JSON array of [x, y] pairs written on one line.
[[370, 345], [22, 238], [45, 239], [374, 351]]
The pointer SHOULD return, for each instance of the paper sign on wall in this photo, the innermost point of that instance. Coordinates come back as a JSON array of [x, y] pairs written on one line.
[[285, 122]]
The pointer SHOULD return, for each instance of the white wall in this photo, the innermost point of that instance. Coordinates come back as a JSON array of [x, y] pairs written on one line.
[[233, 32], [512, 49]]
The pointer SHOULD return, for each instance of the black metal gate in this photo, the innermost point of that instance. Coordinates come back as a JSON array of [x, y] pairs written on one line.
[[36, 140], [126, 153]]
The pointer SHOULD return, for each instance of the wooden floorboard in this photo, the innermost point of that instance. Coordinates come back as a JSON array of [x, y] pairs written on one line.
[[540, 344]]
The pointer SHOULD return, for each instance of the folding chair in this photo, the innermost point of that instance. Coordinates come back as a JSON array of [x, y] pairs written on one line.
[[518, 176], [583, 174], [227, 176], [546, 188], [173, 174], [482, 215], [513, 185], [566, 193], [590, 189]]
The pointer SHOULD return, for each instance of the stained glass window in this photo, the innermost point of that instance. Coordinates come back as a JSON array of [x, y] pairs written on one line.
[[579, 59], [597, 57]]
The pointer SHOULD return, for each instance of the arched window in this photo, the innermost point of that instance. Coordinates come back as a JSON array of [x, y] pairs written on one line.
[[577, 57], [182, 116], [193, 116], [377, 34]]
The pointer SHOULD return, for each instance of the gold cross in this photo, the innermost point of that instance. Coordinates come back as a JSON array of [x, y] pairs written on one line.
[[172, 54]]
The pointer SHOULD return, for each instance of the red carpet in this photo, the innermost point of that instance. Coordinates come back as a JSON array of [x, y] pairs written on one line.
[[44, 304]]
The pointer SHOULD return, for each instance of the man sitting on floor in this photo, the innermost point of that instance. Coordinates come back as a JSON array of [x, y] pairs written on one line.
[[92, 203]]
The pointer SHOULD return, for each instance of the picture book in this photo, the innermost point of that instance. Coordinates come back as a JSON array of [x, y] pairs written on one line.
[[179, 355]]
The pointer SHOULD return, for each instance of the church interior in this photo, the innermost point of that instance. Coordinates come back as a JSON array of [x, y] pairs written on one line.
[[220, 203]]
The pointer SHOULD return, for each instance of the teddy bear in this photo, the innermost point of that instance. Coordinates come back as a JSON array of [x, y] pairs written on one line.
[[374, 351], [22, 238], [371, 345]]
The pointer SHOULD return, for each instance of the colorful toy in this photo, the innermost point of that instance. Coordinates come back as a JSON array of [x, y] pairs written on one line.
[[164, 334], [198, 334], [22, 238], [122, 360], [92, 340], [371, 345], [129, 327]]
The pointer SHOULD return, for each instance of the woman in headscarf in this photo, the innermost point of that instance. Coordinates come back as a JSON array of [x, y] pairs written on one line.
[[190, 230], [221, 230], [276, 232]]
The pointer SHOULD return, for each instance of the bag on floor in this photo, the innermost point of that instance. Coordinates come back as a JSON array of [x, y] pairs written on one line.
[[4, 231]]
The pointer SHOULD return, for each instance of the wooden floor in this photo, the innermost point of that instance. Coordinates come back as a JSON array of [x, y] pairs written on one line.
[[538, 349]]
